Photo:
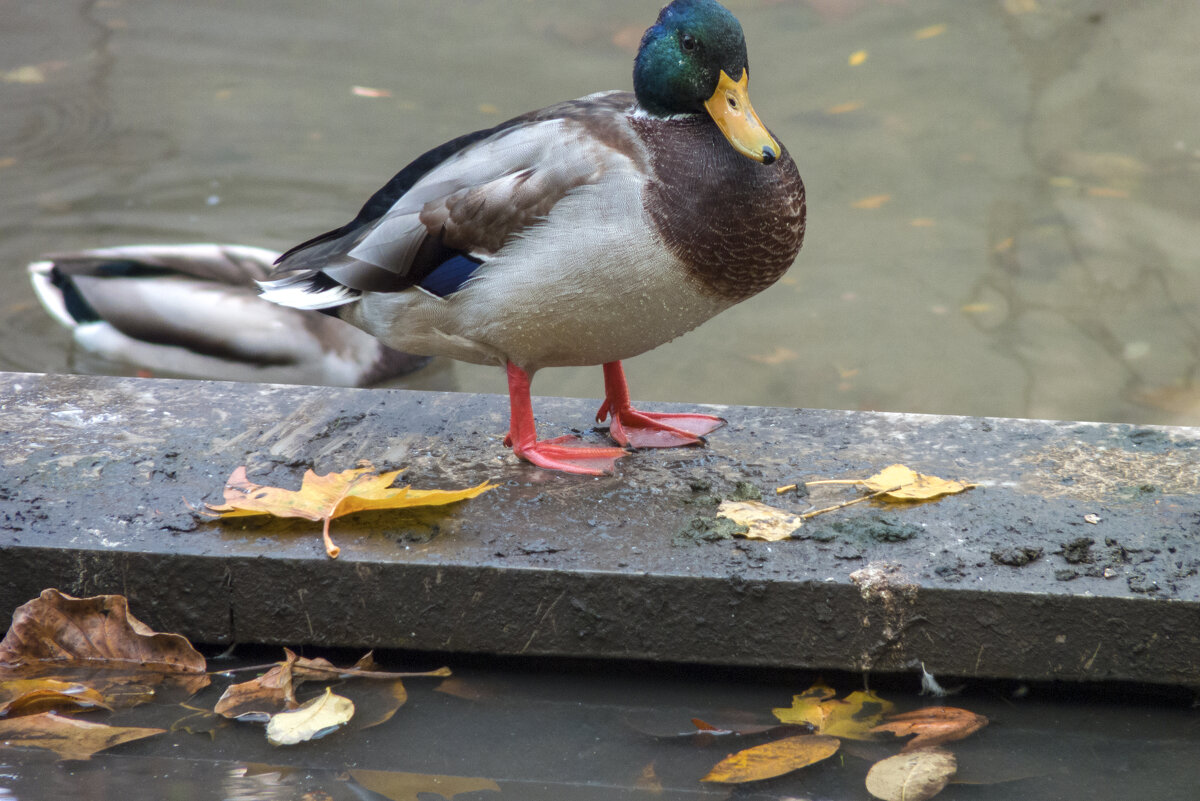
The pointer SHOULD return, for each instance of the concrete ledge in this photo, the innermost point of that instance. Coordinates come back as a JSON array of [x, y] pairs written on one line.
[[94, 472]]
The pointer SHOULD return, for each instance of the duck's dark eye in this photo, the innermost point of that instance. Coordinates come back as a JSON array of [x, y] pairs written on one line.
[[688, 42]]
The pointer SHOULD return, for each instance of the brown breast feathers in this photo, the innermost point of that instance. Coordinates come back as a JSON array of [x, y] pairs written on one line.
[[736, 223]]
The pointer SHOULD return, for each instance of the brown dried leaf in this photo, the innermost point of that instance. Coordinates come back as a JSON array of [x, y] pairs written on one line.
[[275, 691], [61, 630], [260, 698], [933, 725], [67, 737], [916, 776], [773, 759]]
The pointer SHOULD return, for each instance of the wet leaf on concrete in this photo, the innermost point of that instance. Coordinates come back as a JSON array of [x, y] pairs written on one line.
[[914, 776], [762, 522], [58, 630], [310, 721], [933, 725], [852, 717], [897, 482], [773, 759], [67, 737], [330, 496]]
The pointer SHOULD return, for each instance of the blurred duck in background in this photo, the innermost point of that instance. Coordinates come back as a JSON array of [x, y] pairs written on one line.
[[194, 310]]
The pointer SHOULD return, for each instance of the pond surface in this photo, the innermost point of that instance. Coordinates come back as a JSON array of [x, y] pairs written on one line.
[[579, 733], [1004, 197]]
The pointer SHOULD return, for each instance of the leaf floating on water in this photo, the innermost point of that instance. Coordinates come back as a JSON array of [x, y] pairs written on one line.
[[260, 698], [377, 701], [858, 57], [411, 786], [778, 356], [321, 716], [871, 201], [61, 630], [933, 725], [852, 717], [773, 759], [1016, 7], [32, 696], [330, 496], [845, 108], [30, 73], [648, 782], [367, 91], [917, 776], [930, 31], [67, 737]]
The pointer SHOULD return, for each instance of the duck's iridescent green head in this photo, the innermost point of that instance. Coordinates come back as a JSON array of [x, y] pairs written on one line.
[[693, 60]]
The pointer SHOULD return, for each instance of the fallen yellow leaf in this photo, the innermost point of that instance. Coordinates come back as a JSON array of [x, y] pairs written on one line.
[[852, 717], [763, 522], [777, 356], [332, 495], [930, 32], [1021, 6], [901, 483], [773, 759], [411, 786], [871, 201], [27, 74], [31, 696], [858, 57], [843, 108]]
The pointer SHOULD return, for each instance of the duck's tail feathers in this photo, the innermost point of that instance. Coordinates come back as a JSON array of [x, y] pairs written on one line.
[[41, 275], [312, 290]]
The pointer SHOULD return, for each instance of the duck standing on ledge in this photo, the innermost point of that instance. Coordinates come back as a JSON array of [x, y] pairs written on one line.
[[584, 233]]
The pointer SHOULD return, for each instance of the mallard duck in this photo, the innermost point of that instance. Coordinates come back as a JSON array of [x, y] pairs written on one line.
[[195, 310], [583, 233]]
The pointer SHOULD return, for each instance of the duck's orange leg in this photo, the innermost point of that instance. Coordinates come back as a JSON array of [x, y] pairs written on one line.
[[648, 429], [552, 454]]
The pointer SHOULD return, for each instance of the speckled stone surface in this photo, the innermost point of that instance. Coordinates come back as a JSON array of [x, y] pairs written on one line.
[[1075, 557]]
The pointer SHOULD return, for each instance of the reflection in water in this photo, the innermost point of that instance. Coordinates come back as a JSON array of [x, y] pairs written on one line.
[[1004, 197]]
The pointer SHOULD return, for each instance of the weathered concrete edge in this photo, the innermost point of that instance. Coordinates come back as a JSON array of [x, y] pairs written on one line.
[[93, 473], [880, 624]]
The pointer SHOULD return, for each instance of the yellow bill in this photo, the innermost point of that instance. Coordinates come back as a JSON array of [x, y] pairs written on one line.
[[730, 108]]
